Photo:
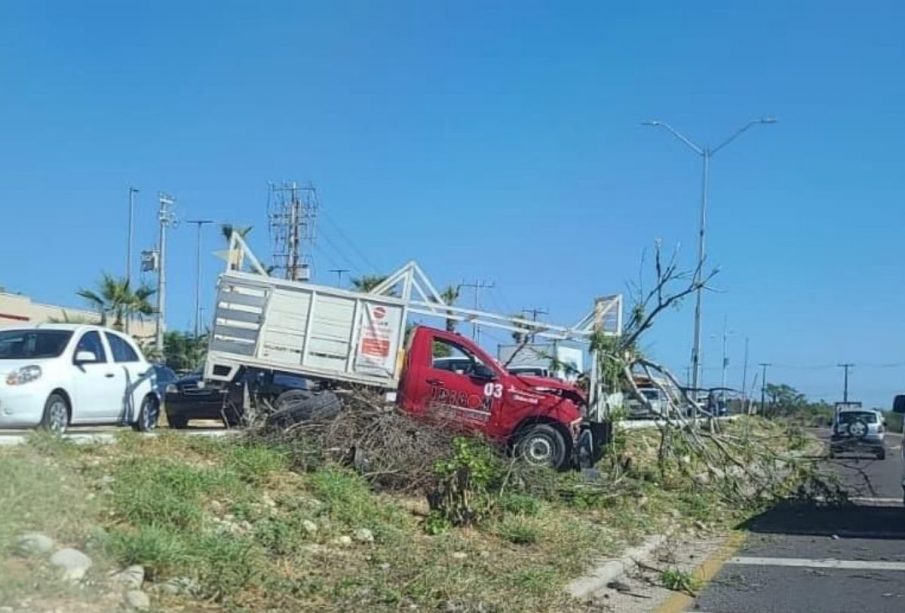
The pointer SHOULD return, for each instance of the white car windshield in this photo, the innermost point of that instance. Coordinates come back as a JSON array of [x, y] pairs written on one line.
[[32, 344]]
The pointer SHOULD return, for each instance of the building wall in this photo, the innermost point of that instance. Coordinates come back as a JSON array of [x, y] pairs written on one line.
[[16, 310]]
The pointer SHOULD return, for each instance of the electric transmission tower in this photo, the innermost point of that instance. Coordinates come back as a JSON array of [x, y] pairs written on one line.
[[292, 211]]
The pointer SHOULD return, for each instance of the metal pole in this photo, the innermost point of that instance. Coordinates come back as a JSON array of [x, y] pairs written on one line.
[[199, 223], [696, 350], [763, 388], [845, 367], [725, 361], [165, 217], [745, 372], [706, 154], [131, 233]]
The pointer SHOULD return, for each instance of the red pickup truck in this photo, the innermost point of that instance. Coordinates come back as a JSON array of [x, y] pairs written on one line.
[[449, 376]]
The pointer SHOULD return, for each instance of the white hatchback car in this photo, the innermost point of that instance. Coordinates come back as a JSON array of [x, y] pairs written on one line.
[[54, 375]]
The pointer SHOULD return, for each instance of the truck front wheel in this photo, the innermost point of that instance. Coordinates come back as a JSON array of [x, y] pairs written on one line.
[[543, 445]]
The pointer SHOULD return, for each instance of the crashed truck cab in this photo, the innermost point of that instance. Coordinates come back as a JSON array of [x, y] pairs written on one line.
[[339, 338], [543, 420]]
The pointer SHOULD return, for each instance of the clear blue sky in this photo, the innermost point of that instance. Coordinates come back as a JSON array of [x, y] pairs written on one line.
[[491, 140]]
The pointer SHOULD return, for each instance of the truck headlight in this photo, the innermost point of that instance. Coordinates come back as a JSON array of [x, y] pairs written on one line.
[[24, 375]]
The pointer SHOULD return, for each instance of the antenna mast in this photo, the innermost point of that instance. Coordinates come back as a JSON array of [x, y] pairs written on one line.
[[292, 211]]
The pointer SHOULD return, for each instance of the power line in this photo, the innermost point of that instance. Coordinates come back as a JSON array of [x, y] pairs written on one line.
[[477, 287], [351, 244]]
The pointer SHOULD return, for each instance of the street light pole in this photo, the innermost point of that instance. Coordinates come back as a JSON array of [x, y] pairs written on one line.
[[198, 223], [166, 218], [131, 233], [706, 154]]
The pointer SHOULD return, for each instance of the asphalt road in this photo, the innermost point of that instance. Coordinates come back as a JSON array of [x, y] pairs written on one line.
[[826, 560]]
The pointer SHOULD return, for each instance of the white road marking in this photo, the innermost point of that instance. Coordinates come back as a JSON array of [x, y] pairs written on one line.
[[889, 502], [814, 563]]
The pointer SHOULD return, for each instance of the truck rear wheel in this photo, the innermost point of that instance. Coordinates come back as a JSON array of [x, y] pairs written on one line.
[[543, 445], [323, 405], [290, 397]]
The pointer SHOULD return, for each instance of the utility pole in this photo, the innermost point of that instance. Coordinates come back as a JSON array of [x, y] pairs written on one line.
[[339, 275], [166, 217], [293, 214], [534, 313], [726, 333], [477, 286], [131, 233], [845, 367], [763, 387], [706, 154], [745, 372], [198, 223]]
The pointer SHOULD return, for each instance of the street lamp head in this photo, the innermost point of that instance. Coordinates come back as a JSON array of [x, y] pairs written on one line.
[[650, 123], [768, 120]]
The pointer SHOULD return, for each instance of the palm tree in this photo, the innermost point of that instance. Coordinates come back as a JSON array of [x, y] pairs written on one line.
[[449, 296], [115, 297], [366, 283]]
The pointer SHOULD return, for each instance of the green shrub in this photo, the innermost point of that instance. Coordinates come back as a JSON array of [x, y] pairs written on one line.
[[518, 531], [467, 483], [160, 550], [254, 462], [519, 504]]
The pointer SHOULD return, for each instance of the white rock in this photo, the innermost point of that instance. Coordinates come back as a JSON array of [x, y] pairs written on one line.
[[72, 562], [343, 541], [34, 543], [106, 480], [459, 555], [385, 566], [363, 535], [136, 600], [267, 500], [132, 577], [309, 526]]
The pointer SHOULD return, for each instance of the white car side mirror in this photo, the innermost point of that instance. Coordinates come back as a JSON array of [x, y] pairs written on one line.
[[85, 357]]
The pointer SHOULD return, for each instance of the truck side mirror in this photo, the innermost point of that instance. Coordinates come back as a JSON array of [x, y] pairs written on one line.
[[898, 404], [481, 371]]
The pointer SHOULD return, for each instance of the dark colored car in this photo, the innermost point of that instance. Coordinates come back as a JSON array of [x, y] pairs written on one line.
[[190, 397], [164, 375]]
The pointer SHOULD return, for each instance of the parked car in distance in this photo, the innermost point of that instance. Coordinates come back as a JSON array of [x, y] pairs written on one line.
[[164, 375], [638, 410], [531, 371], [857, 429], [190, 397], [56, 375]]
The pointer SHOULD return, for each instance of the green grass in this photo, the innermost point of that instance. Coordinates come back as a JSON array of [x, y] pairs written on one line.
[[162, 502], [679, 580]]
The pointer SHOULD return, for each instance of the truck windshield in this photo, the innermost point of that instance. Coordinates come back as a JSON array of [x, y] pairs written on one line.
[[33, 344]]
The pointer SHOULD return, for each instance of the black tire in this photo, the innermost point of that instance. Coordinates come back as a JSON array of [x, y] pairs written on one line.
[[543, 445], [322, 405], [57, 414], [178, 422], [148, 415]]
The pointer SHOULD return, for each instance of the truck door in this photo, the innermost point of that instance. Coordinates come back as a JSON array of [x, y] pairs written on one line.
[[456, 384]]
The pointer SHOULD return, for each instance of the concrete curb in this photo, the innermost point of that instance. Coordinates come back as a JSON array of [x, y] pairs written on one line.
[[606, 571]]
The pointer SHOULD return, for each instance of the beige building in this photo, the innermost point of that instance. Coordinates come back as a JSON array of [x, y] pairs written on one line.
[[16, 309]]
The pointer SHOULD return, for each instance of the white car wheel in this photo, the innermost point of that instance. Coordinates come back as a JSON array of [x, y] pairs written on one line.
[[56, 414]]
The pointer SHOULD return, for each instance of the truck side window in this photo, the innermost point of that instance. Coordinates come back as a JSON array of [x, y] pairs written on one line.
[[446, 355]]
